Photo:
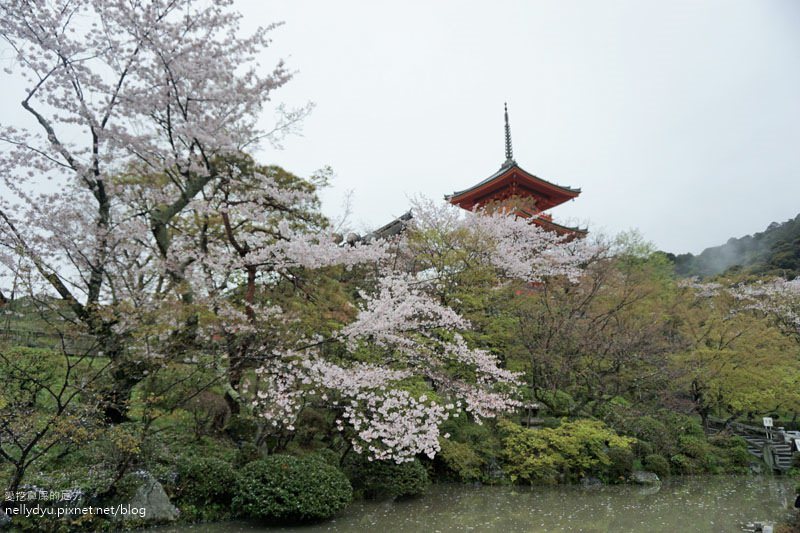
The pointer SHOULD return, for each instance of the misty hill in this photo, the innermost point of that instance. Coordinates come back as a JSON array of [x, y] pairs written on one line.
[[775, 250]]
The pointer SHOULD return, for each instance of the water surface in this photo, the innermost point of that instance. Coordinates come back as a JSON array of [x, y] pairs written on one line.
[[718, 504]]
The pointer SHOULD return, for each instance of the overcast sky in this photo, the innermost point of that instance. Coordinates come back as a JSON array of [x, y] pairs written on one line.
[[681, 119]]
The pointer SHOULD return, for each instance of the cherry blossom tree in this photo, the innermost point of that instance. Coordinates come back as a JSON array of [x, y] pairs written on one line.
[[119, 93], [778, 299], [403, 333]]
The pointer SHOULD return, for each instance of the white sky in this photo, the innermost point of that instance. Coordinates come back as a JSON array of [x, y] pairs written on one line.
[[679, 118]]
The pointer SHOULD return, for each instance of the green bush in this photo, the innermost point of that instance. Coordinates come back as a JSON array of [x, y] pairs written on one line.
[[242, 428], [327, 456], [558, 403], [471, 452], [642, 448], [679, 424], [685, 465], [739, 458], [247, 453], [713, 463], [727, 441], [377, 480], [705, 457], [694, 446], [732, 452], [663, 431], [621, 465], [575, 449], [461, 461], [284, 488], [204, 488], [655, 433], [656, 464]]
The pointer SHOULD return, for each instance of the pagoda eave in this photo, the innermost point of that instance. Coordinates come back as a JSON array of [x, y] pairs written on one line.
[[549, 194], [549, 225]]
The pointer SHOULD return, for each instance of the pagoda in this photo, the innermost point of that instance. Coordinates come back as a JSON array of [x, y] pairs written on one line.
[[515, 190]]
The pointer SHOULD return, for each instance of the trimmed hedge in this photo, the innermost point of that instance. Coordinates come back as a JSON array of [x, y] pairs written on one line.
[[376, 480], [284, 488], [204, 488]]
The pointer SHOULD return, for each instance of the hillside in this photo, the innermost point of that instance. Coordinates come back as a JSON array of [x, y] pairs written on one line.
[[776, 250]]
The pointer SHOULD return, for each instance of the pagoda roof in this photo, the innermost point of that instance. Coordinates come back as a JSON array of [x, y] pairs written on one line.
[[548, 224], [509, 173]]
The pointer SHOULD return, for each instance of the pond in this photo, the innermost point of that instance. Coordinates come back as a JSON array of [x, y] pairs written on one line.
[[697, 504]]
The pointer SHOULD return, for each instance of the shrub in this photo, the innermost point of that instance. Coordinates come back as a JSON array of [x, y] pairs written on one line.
[[247, 453], [471, 453], [653, 431], [461, 460], [285, 488], [704, 456], [575, 449], [242, 428], [694, 446], [621, 465], [210, 412], [732, 452], [679, 424], [327, 456], [656, 464], [685, 465], [558, 403], [204, 488], [377, 480], [642, 448], [727, 441]]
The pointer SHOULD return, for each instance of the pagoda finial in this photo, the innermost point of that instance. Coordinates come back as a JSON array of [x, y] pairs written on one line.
[[509, 151]]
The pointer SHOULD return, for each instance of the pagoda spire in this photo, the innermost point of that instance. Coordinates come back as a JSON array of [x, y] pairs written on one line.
[[509, 152]]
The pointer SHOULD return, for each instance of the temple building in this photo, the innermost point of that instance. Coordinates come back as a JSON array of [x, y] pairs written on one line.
[[511, 189], [514, 190]]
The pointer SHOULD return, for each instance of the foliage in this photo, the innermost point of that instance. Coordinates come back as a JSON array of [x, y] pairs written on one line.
[[657, 464], [604, 337], [470, 452], [574, 449], [737, 362], [379, 480], [461, 460], [684, 465], [204, 488], [720, 454], [247, 453], [286, 488], [620, 465], [45, 406]]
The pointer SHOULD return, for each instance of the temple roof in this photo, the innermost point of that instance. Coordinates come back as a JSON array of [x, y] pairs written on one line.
[[512, 174], [396, 226], [548, 224], [512, 179], [504, 169]]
